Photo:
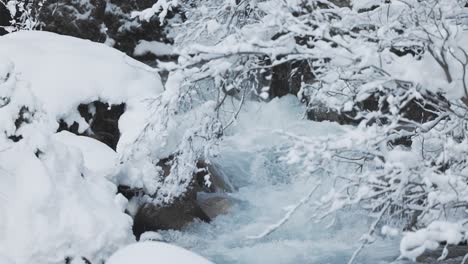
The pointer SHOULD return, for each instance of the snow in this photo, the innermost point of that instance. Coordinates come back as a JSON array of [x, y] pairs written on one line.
[[78, 71], [153, 47], [98, 157], [365, 4], [58, 198], [155, 252], [59, 190], [5, 260], [414, 244], [52, 209]]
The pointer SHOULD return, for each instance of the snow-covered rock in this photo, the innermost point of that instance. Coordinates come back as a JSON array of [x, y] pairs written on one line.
[[98, 158], [155, 252], [78, 72], [51, 208], [56, 200]]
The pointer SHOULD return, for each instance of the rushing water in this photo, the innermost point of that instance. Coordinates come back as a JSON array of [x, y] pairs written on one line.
[[265, 187]]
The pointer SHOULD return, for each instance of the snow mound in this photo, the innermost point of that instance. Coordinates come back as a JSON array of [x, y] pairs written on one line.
[[65, 72], [99, 159], [50, 207], [155, 252]]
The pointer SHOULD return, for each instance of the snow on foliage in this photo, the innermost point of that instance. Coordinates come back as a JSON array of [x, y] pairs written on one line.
[[395, 69], [152, 47], [161, 7], [24, 14], [151, 252], [414, 244]]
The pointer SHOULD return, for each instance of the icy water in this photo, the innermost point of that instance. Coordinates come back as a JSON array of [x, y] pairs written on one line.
[[260, 202], [265, 187]]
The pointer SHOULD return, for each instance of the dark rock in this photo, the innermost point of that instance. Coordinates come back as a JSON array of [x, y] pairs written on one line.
[[371, 8], [103, 21], [287, 78], [319, 112], [218, 181], [68, 260], [74, 18], [24, 117], [5, 18], [341, 3], [130, 192], [186, 208], [103, 121], [414, 50], [420, 110], [176, 215], [213, 206], [455, 255]]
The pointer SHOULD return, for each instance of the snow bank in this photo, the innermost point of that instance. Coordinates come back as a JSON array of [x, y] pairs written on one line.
[[155, 252], [52, 209], [57, 199]]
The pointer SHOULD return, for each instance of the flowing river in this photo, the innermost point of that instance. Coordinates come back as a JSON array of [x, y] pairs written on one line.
[[266, 187]]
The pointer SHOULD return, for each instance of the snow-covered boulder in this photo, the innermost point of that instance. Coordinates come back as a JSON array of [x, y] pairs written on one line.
[[155, 252], [56, 200], [98, 158], [64, 72], [51, 208]]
